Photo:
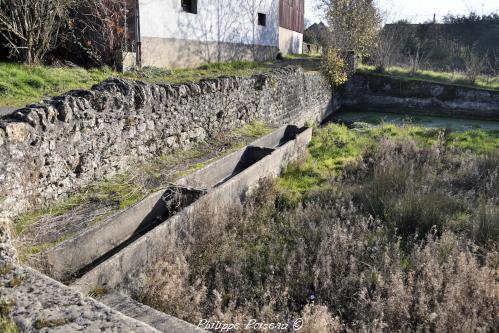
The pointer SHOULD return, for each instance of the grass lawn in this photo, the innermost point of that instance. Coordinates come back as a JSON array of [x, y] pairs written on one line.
[[21, 84], [485, 82]]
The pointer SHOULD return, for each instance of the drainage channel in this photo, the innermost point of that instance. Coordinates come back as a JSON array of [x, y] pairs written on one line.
[[75, 257], [226, 181]]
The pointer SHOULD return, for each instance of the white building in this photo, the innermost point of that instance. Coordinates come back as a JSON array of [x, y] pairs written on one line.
[[187, 33]]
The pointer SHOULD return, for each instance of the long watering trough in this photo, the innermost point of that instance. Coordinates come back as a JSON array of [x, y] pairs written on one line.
[[226, 182], [80, 254]]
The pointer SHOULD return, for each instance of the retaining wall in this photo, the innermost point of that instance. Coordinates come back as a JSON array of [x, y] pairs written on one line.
[[61, 145], [369, 92]]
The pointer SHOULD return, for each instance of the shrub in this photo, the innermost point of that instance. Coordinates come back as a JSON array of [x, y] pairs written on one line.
[[31, 28], [335, 68]]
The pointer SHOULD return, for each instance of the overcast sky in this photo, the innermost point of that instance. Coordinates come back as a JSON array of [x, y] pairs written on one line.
[[420, 10]]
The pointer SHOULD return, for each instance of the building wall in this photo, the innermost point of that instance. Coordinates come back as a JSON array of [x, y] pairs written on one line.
[[291, 25], [292, 15], [290, 42], [183, 53], [221, 30]]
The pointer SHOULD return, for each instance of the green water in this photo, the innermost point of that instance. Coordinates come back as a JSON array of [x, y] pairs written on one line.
[[456, 124]]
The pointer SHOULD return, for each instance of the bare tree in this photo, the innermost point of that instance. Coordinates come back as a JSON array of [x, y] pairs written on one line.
[[385, 49], [474, 64], [100, 29], [492, 64], [386, 46], [417, 57], [32, 27]]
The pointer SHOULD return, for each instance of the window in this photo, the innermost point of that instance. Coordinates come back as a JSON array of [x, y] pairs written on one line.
[[262, 19], [190, 6]]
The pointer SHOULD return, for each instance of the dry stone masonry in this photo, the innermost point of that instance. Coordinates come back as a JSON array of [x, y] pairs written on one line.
[[368, 92], [63, 144]]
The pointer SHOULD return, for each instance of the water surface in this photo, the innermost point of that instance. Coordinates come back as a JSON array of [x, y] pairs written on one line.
[[456, 124]]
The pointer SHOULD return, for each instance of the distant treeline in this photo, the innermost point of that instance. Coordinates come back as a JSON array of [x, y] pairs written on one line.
[[443, 44]]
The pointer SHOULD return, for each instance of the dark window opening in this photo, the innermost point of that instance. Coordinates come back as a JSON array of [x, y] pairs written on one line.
[[262, 19], [190, 6]]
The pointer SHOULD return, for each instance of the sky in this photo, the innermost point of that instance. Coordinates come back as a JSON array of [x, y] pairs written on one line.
[[419, 10]]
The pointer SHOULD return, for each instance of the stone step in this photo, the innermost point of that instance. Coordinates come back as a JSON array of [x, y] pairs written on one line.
[[159, 320]]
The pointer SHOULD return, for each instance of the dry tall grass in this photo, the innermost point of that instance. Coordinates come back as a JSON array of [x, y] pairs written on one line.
[[405, 240]]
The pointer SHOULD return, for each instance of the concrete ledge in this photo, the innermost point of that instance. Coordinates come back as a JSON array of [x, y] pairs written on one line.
[[225, 168], [159, 320], [37, 299], [229, 166], [370, 92]]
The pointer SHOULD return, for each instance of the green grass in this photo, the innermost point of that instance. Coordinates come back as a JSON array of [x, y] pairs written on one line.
[[26, 251], [21, 84], [477, 141], [8, 326], [428, 75], [212, 70], [254, 129], [335, 146], [302, 56], [331, 148]]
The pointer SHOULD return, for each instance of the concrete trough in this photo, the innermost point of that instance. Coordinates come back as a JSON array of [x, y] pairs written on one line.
[[126, 271], [280, 137], [77, 255], [227, 167], [224, 169]]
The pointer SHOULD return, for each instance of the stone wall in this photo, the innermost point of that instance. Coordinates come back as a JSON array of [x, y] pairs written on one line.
[[368, 92], [54, 148]]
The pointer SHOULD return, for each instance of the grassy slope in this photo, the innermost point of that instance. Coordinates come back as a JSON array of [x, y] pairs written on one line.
[[21, 84], [427, 75]]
